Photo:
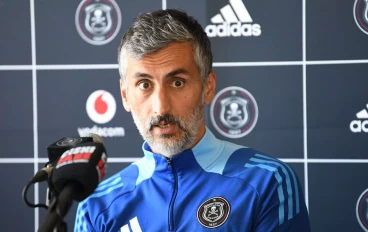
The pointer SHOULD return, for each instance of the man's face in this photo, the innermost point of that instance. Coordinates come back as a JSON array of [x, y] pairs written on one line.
[[163, 90]]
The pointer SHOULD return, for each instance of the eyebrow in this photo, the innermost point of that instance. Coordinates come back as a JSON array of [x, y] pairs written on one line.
[[176, 72], [170, 74]]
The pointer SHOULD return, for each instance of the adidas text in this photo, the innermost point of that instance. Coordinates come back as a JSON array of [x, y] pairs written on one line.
[[235, 30], [358, 126]]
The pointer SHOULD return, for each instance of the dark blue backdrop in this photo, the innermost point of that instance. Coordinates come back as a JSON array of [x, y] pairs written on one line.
[[305, 67]]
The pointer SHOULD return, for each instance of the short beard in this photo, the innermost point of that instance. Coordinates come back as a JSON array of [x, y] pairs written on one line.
[[188, 128]]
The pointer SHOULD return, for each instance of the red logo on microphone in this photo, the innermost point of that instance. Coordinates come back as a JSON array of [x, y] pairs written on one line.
[[76, 155], [101, 106], [102, 166]]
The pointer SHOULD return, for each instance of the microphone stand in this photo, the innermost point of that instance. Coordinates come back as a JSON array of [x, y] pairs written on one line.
[[54, 218]]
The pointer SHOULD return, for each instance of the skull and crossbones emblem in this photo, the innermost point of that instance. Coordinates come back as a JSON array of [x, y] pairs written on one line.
[[233, 112], [98, 20], [213, 211]]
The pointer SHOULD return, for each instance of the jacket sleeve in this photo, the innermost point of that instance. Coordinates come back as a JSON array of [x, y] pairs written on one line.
[[82, 220], [283, 207]]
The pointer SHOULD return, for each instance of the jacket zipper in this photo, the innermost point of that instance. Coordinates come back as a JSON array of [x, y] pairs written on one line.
[[171, 206]]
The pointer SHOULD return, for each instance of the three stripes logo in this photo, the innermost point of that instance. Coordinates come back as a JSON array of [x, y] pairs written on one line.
[[233, 20], [285, 176], [133, 226]]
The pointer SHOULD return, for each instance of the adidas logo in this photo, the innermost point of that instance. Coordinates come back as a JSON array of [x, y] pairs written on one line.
[[358, 126], [234, 20], [134, 225]]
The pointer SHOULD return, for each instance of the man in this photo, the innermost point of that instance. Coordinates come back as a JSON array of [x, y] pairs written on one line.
[[187, 180]]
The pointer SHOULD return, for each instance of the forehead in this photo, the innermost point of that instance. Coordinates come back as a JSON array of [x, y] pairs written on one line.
[[165, 60]]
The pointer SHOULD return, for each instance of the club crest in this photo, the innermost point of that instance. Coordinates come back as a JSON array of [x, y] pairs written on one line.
[[98, 21], [361, 14], [213, 212], [362, 210], [234, 112]]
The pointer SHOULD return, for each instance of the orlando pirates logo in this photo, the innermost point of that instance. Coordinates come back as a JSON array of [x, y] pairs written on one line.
[[98, 21], [234, 112], [362, 210], [213, 212], [361, 14]]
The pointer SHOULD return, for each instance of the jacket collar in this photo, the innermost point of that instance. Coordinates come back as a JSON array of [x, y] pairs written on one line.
[[205, 152]]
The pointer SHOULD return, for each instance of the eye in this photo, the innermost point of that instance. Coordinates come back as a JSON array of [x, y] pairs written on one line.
[[143, 85], [178, 83]]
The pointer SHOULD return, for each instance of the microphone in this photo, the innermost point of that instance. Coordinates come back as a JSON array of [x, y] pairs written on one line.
[[83, 166], [75, 176], [56, 149], [42, 175]]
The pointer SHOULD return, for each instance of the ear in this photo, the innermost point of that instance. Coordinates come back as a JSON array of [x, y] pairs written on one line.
[[123, 91], [210, 87]]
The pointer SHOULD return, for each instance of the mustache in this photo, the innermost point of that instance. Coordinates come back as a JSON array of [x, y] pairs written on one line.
[[167, 118]]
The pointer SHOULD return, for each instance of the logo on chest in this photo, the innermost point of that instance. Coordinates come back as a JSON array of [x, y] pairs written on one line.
[[213, 212]]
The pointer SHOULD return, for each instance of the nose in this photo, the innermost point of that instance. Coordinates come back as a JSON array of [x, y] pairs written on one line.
[[161, 103]]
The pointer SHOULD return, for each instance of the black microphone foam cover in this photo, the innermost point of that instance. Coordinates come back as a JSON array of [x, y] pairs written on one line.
[[84, 166], [56, 149]]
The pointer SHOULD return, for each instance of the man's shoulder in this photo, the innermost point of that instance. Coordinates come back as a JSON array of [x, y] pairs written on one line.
[[243, 156], [108, 190], [117, 183], [257, 168]]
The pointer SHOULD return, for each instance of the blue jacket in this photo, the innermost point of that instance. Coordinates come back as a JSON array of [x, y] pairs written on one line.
[[215, 186]]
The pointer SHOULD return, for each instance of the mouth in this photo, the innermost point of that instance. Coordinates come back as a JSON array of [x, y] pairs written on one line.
[[164, 125], [164, 128]]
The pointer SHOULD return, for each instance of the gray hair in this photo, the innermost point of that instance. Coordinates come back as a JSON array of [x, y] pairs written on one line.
[[156, 30]]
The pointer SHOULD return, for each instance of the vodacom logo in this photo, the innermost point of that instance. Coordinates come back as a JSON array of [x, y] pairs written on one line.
[[101, 106]]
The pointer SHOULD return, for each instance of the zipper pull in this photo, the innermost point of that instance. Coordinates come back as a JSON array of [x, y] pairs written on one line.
[[168, 161]]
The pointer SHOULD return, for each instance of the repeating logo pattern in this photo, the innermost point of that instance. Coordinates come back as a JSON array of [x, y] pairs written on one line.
[[234, 20], [360, 125], [213, 212], [361, 14], [234, 112], [362, 210], [101, 106], [98, 21]]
